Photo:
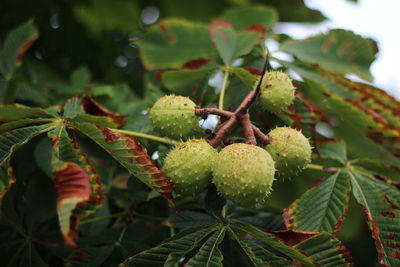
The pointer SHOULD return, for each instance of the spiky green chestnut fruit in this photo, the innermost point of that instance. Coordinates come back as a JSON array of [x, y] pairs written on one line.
[[244, 173], [290, 150], [277, 91], [188, 166], [174, 116]]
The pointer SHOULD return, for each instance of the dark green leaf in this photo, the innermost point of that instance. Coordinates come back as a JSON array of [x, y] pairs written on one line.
[[272, 241], [267, 256], [296, 11], [11, 140], [172, 249], [255, 260], [187, 218], [209, 254]]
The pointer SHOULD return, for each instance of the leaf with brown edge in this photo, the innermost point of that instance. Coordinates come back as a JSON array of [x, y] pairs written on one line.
[[321, 247], [86, 108], [81, 179], [322, 207], [325, 250], [382, 216], [377, 99], [72, 187], [66, 149], [128, 151], [337, 51], [15, 45]]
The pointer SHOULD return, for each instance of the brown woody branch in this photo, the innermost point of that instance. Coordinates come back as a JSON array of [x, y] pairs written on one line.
[[231, 119], [240, 115]]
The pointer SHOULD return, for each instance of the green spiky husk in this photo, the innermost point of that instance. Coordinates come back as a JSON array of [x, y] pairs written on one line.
[[290, 150], [174, 116], [244, 173], [188, 166], [277, 91]]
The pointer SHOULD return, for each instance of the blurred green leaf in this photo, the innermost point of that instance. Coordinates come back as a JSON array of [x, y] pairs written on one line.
[[337, 51], [173, 42], [295, 11], [100, 16], [335, 151], [231, 44], [15, 45], [247, 16]]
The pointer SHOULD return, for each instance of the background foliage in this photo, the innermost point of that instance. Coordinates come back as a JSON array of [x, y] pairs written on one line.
[[74, 67]]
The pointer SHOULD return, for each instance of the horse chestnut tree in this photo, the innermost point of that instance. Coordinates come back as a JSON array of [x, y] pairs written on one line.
[[200, 148]]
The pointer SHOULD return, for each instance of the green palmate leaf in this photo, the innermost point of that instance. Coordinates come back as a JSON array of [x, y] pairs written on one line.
[[173, 42], [391, 191], [22, 123], [272, 241], [209, 253], [15, 45], [322, 207], [11, 140], [338, 51], [169, 252], [230, 43], [267, 257], [129, 153], [16, 112], [247, 16], [256, 261], [383, 218], [335, 151], [325, 250]]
